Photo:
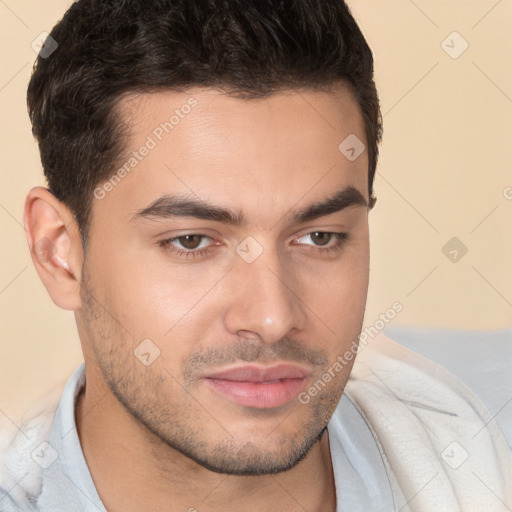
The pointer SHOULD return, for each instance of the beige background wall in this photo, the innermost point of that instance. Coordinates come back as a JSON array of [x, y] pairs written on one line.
[[444, 172]]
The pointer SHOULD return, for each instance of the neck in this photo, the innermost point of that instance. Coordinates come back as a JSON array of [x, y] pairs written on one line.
[[135, 470]]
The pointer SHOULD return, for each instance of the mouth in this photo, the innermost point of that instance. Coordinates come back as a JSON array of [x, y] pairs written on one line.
[[258, 387]]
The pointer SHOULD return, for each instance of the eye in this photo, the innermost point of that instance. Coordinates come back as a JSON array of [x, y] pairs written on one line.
[[190, 245], [322, 239]]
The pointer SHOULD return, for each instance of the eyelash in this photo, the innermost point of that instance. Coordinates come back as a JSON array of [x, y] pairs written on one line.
[[341, 239]]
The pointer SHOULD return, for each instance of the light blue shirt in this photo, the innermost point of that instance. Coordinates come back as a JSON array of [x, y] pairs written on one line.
[[67, 486]]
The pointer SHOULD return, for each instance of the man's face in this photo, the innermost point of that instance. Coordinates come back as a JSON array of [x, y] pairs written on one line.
[[207, 330]]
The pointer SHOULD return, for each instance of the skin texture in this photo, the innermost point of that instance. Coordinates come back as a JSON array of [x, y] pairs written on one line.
[[156, 436]]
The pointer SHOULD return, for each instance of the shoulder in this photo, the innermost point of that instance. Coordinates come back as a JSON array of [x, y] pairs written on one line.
[[408, 380], [21, 446], [480, 359], [429, 424]]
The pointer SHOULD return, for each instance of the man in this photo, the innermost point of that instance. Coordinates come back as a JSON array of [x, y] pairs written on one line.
[[210, 169]]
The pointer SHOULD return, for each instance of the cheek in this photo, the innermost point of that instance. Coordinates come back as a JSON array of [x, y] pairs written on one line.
[[157, 300], [339, 288], [339, 310], [337, 296]]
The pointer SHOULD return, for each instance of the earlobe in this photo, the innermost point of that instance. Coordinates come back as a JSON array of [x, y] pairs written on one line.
[[55, 246]]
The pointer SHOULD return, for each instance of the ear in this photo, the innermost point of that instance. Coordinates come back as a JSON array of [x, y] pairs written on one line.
[[55, 246]]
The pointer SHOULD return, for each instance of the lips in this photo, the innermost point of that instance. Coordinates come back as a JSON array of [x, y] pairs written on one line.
[[258, 387]]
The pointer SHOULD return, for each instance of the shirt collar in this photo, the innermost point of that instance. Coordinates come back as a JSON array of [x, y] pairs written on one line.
[[359, 473], [67, 482]]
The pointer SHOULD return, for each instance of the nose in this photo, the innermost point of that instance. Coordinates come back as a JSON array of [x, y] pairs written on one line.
[[264, 299]]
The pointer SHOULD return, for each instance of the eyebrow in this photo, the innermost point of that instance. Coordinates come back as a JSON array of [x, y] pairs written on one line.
[[171, 206]]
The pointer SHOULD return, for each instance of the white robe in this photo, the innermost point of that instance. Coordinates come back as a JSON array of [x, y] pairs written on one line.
[[443, 450]]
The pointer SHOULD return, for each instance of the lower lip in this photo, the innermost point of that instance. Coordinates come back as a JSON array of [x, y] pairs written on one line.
[[260, 395]]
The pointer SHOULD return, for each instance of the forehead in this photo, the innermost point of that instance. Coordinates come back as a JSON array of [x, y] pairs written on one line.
[[253, 154], [210, 109]]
